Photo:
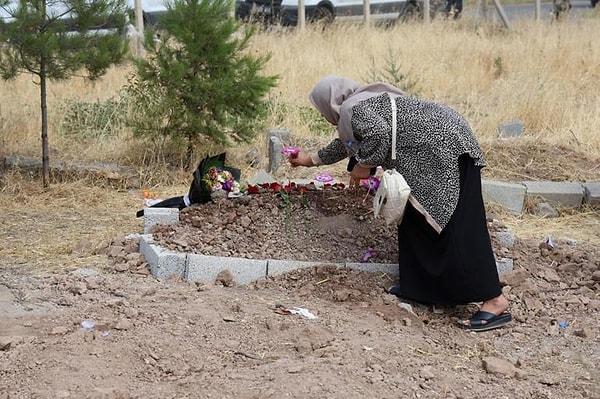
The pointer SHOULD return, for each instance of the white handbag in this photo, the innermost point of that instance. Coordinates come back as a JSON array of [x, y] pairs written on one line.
[[393, 192]]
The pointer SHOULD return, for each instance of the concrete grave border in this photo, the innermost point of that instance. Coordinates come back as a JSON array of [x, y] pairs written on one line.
[[166, 264]]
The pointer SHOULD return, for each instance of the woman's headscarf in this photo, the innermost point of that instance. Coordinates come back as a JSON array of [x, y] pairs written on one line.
[[329, 94], [335, 96]]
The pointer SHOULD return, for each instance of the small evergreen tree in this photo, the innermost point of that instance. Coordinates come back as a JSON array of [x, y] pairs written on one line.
[[57, 39], [197, 82]]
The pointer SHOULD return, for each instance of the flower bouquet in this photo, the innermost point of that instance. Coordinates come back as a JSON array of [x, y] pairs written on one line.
[[211, 177], [219, 179]]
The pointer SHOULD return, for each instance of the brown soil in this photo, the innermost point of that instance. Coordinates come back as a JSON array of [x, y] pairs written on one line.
[[174, 339], [324, 226]]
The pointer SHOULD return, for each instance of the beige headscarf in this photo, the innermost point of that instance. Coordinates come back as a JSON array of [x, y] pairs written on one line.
[[329, 94], [334, 96]]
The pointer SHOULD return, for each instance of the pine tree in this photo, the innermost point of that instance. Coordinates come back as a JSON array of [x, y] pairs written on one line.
[[57, 39], [197, 81]]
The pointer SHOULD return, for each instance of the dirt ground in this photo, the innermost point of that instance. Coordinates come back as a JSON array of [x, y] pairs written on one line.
[[326, 225], [81, 317]]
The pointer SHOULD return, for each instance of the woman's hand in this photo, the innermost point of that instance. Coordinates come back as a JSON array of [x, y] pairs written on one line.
[[301, 159], [354, 183], [360, 172]]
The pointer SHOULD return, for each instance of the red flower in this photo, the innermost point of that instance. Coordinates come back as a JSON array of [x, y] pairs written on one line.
[[253, 190]]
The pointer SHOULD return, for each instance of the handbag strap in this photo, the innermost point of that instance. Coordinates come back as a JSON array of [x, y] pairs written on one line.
[[394, 117]]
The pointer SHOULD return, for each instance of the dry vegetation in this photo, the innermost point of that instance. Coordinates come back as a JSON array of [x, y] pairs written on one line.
[[156, 339], [544, 74]]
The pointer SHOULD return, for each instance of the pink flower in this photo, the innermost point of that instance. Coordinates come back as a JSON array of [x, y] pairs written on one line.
[[291, 151]]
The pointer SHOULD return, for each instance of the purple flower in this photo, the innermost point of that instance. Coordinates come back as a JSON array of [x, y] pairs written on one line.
[[371, 184], [227, 185], [367, 255], [324, 178], [219, 179]]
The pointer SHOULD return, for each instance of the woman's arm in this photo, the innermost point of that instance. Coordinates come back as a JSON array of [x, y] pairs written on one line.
[[330, 154], [371, 125]]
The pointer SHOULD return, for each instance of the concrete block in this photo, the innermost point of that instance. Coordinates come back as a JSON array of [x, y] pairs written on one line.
[[504, 265], [506, 238], [510, 129], [154, 216], [387, 268], [275, 147], [206, 268], [592, 193], [262, 176], [284, 135], [28, 163], [112, 172], [561, 194], [510, 196], [276, 266], [163, 264]]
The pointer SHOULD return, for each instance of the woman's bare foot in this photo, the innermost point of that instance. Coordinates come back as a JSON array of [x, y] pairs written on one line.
[[496, 305]]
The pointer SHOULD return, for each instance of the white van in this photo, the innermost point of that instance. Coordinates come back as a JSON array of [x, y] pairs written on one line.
[[285, 12], [151, 10]]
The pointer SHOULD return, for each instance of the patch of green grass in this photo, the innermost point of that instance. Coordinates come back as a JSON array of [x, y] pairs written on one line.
[[94, 120]]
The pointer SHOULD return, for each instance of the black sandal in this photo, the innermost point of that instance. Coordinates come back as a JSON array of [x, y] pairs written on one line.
[[485, 321], [394, 290]]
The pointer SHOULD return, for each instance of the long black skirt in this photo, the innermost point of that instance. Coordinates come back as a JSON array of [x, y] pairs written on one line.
[[456, 266]]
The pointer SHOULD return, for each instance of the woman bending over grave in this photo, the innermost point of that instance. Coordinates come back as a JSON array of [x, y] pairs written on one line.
[[445, 254]]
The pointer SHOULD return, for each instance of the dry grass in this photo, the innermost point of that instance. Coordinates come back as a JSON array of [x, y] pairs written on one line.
[[580, 226], [545, 75]]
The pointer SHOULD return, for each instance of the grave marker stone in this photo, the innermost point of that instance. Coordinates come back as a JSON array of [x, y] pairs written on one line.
[[276, 140], [510, 129]]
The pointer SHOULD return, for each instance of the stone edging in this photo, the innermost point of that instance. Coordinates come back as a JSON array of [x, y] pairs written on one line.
[[165, 264], [514, 196]]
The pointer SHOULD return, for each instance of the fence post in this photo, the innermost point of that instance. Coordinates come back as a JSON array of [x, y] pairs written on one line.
[[426, 12], [139, 27], [301, 14], [367, 12], [502, 14], [483, 10], [232, 10]]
